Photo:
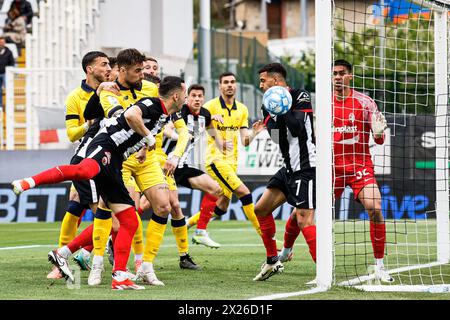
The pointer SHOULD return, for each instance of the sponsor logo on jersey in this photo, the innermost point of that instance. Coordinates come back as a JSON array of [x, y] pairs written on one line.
[[107, 158], [351, 117], [304, 97], [346, 129], [227, 128], [147, 102]]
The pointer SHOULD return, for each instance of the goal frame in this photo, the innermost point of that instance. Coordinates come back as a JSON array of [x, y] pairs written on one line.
[[324, 219]]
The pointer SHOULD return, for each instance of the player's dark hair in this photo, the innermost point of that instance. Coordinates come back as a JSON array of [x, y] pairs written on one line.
[[344, 63], [226, 74], [196, 87], [151, 59], [90, 57], [129, 57], [274, 67], [169, 84], [112, 61], [152, 78]]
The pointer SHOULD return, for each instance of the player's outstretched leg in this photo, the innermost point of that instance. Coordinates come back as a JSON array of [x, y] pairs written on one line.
[[85, 170]]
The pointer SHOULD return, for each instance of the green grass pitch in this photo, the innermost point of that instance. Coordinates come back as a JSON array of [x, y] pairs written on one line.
[[226, 273]]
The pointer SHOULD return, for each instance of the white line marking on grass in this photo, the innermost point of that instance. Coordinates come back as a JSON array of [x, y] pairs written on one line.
[[31, 230], [26, 247], [289, 294]]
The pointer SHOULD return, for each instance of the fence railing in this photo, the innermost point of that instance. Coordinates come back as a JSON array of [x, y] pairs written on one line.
[[243, 56]]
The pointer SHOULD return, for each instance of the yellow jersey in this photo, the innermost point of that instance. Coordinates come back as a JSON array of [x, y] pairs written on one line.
[[235, 117], [111, 103], [75, 104]]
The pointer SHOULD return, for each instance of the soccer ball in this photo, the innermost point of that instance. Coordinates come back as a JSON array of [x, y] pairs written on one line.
[[277, 100]]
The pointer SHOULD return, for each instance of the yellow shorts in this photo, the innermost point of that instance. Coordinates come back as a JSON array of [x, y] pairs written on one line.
[[225, 174], [170, 179], [146, 175]]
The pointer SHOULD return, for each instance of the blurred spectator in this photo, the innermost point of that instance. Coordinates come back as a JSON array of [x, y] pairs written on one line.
[[15, 29], [6, 59], [24, 8]]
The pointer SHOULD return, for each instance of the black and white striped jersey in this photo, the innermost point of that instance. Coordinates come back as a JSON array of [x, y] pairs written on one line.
[[197, 124], [294, 132], [154, 115]]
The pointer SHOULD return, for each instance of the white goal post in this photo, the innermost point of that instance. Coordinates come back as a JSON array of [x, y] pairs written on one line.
[[424, 267]]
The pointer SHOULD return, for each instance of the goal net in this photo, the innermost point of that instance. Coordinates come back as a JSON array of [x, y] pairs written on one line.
[[398, 51]]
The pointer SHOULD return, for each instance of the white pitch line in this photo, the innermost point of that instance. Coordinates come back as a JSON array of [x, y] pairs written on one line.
[[289, 294], [25, 247], [164, 246]]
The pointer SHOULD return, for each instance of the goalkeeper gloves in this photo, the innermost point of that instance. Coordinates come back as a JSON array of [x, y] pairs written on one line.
[[378, 124]]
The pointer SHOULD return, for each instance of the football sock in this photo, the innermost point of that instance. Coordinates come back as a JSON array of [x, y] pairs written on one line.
[[193, 220], [122, 245], [65, 252], [89, 247], [206, 210], [155, 233], [86, 169], [309, 233], [83, 239], [102, 229], [378, 238], [249, 210], [179, 230], [138, 239], [70, 223], [291, 232], [268, 230]]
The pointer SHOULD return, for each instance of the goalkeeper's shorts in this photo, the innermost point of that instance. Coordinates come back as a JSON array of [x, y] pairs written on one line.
[[362, 177]]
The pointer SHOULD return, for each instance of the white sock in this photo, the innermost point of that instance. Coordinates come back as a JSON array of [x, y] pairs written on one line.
[[137, 257], [200, 232], [379, 263], [84, 252], [97, 260], [147, 267], [64, 252]]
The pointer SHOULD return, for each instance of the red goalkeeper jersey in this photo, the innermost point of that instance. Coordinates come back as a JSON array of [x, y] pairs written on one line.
[[352, 126]]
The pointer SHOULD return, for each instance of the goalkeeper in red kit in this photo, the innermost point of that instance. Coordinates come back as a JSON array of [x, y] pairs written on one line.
[[355, 115]]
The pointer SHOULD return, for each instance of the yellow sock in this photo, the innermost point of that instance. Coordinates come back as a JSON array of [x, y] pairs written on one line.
[[69, 228], [249, 211], [193, 220], [155, 233], [179, 230], [102, 229], [138, 240]]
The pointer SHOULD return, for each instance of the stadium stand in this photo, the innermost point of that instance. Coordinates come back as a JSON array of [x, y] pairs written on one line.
[[49, 68]]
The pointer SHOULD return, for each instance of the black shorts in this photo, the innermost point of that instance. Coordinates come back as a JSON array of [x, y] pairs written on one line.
[[109, 181], [87, 189], [182, 175], [299, 187]]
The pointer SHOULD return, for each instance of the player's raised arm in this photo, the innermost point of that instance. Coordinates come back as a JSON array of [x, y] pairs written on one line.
[[376, 120]]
